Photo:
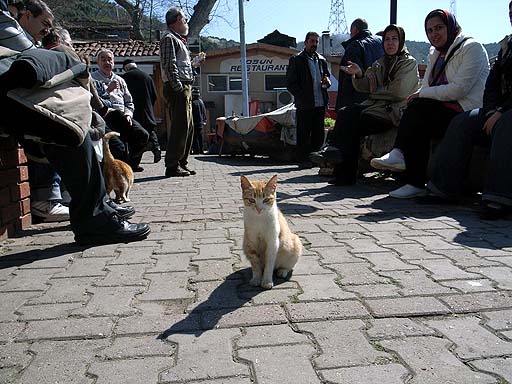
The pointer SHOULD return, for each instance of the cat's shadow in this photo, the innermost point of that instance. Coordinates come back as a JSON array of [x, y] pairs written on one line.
[[233, 293]]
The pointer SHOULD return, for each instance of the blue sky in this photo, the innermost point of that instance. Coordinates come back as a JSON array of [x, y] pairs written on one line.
[[485, 20]]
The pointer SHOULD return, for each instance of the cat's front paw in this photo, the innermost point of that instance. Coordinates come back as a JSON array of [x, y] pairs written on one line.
[[282, 273], [255, 281], [265, 284]]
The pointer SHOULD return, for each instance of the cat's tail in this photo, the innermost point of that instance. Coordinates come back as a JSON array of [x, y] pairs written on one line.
[[106, 149]]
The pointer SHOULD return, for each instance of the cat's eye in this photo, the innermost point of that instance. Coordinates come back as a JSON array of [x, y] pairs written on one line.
[[251, 200], [266, 200]]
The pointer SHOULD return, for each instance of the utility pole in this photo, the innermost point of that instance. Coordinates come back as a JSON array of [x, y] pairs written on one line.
[[245, 85], [393, 12]]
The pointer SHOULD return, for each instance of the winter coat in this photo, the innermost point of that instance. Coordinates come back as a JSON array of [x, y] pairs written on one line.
[[466, 73], [498, 88], [389, 99]]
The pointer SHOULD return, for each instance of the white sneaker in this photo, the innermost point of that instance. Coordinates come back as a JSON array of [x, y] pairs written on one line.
[[50, 211], [392, 161], [408, 191]]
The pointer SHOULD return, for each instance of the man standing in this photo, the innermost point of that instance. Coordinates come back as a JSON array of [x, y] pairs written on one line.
[[143, 91], [362, 48], [307, 78], [114, 92], [178, 76], [199, 117]]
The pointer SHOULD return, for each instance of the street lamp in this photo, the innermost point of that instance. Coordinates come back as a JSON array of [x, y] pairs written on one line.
[[245, 90]]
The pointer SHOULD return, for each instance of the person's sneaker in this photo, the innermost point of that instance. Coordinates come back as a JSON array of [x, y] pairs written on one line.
[[124, 212], [393, 161], [115, 231], [408, 191], [176, 172], [328, 154], [49, 211]]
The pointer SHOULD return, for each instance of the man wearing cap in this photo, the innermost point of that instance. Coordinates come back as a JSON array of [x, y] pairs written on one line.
[[178, 76], [199, 118], [143, 91]]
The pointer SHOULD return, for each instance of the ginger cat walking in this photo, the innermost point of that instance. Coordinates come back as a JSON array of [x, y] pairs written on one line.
[[268, 242], [118, 174]]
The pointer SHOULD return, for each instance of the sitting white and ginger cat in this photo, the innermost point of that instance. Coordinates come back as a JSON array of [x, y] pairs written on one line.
[[268, 242], [118, 174]]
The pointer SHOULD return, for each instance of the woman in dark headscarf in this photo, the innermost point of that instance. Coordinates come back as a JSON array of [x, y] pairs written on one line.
[[388, 82], [454, 82]]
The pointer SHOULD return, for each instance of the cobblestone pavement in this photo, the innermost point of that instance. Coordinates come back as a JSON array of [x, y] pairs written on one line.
[[387, 291]]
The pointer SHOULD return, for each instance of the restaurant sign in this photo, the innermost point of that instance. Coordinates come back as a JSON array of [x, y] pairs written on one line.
[[257, 63]]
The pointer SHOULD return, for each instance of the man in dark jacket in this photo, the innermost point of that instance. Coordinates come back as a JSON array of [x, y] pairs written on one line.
[[307, 79], [143, 91], [362, 48]]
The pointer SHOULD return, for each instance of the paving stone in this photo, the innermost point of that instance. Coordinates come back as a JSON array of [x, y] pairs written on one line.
[[204, 234], [507, 260], [90, 267], [167, 286], [416, 282], [406, 306], [364, 246], [309, 265], [270, 335], [466, 258], [386, 261], [476, 302], [11, 301], [14, 355], [132, 371], [67, 329], [393, 327], [108, 250], [499, 366], [213, 252], [61, 362], [445, 270], [123, 275], [215, 351], [321, 287], [9, 375], [484, 249], [414, 252], [47, 311], [28, 280], [178, 262], [323, 240], [499, 320], [389, 238], [50, 260], [227, 380], [349, 347], [432, 363], [435, 242], [287, 364], [134, 256], [471, 339], [219, 294], [65, 291], [9, 330], [270, 296], [175, 246], [331, 310], [212, 269], [358, 274], [374, 290], [335, 255], [384, 227], [502, 275], [370, 374], [242, 317], [109, 301], [469, 286], [137, 347]]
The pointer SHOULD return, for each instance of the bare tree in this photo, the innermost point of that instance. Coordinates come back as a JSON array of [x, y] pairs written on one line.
[[136, 11]]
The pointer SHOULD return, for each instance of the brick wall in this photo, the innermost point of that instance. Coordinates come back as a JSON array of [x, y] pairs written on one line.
[[14, 189]]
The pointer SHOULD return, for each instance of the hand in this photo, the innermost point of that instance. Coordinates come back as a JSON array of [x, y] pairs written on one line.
[[490, 122], [372, 80], [128, 119], [415, 95], [114, 84], [352, 69]]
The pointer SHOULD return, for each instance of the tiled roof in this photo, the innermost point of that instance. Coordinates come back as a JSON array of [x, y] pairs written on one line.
[[121, 48]]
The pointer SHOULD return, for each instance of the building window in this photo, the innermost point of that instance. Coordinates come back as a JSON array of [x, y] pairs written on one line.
[[224, 83], [274, 81]]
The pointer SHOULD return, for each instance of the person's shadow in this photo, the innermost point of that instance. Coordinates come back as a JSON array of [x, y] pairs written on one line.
[[233, 293]]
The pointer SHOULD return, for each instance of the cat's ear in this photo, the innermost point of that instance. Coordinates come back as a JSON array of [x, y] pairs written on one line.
[[245, 183], [272, 184]]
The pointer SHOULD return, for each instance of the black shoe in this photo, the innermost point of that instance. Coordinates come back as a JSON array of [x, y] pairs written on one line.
[[137, 169], [432, 199], [191, 171], [123, 212], [115, 231], [341, 182], [306, 165], [491, 210], [157, 155], [176, 172]]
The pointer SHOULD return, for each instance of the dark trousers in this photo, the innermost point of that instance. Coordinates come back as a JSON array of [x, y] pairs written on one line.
[[153, 137], [182, 129], [423, 120], [454, 155], [130, 145], [197, 142], [351, 125], [82, 174], [310, 131]]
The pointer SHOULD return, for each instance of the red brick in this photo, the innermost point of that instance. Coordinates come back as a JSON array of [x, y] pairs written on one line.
[[22, 159], [20, 191], [23, 223], [23, 172], [5, 196], [25, 206], [10, 213]]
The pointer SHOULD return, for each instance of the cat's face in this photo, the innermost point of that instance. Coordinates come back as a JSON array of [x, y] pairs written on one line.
[[258, 195]]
